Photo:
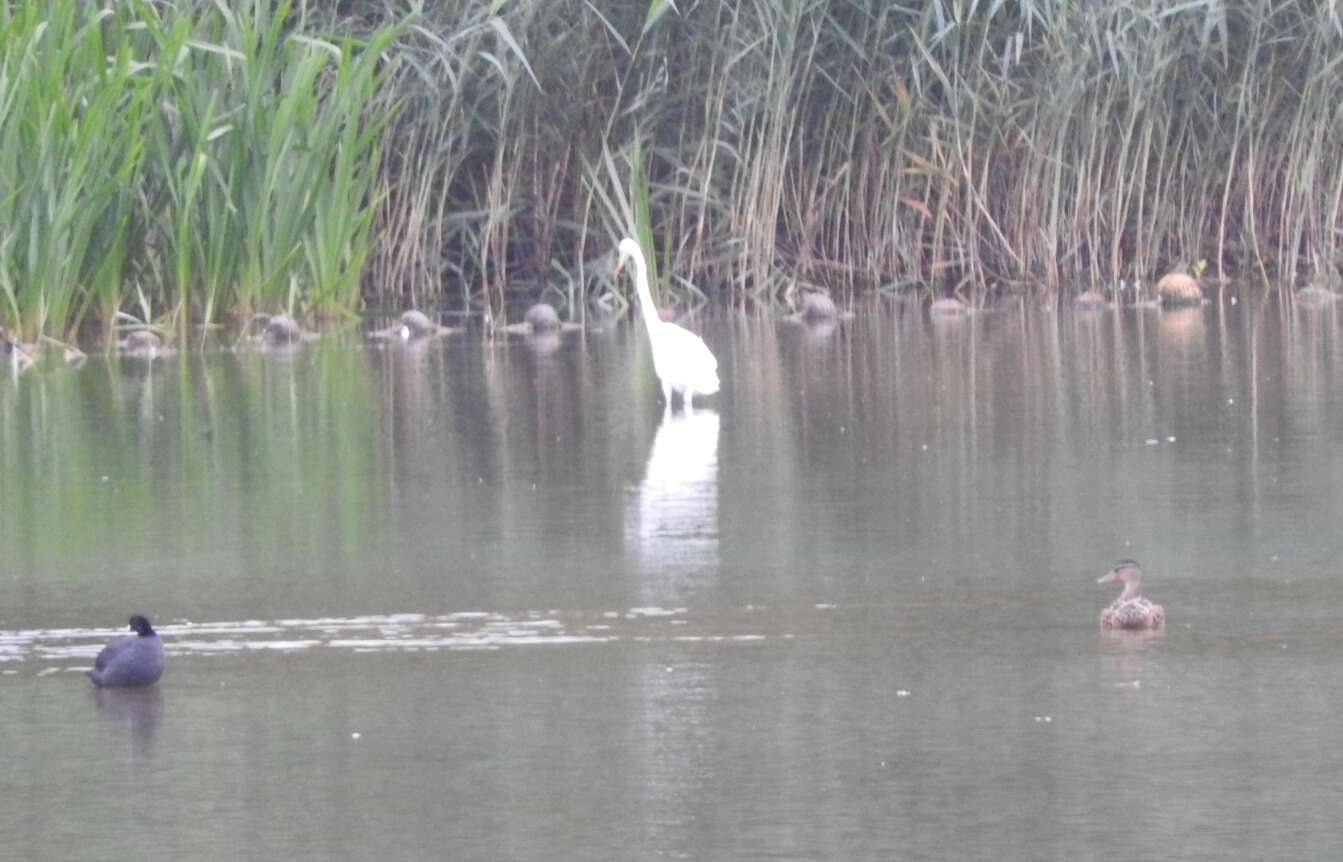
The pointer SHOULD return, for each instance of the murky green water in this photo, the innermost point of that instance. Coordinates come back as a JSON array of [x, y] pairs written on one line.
[[483, 601]]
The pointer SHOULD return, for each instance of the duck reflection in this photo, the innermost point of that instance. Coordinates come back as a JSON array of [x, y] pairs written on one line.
[[543, 342], [134, 710], [1182, 327]]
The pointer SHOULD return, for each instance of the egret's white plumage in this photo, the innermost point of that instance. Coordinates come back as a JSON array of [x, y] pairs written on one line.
[[681, 359]]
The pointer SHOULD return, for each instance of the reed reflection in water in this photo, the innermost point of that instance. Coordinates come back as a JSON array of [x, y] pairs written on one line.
[[847, 609]]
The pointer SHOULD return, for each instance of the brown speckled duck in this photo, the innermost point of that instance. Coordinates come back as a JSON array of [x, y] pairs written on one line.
[[1130, 610]]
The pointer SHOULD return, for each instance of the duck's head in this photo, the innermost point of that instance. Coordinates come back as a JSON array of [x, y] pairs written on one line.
[[141, 626], [1127, 571]]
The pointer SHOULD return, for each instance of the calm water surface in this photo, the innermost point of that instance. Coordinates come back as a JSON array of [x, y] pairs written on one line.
[[484, 601]]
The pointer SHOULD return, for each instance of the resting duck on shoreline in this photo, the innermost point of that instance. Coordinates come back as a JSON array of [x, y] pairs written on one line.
[[1130, 610]]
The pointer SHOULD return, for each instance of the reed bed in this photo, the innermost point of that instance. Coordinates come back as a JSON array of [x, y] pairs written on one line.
[[860, 145], [188, 162]]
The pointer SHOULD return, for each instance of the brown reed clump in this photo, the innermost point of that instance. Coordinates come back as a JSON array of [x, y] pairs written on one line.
[[860, 146]]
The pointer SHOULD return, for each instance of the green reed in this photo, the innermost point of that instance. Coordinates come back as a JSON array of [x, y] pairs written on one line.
[[177, 160], [267, 158], [71, 113]]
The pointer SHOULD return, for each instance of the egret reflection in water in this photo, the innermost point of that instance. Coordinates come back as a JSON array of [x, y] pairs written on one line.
[[673, 522], [673, 526]]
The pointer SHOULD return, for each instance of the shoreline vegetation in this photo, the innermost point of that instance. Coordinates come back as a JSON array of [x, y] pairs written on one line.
[[171, 164]]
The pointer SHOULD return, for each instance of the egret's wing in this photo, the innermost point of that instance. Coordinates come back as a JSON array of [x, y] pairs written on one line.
[[690, 349]]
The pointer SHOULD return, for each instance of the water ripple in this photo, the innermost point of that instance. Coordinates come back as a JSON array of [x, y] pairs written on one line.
[[41, 651]]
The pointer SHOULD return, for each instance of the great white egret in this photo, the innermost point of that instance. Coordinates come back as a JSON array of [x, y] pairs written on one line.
[[681, 359]]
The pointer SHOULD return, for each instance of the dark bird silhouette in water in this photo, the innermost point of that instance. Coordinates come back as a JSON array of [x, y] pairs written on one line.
[[130, 659]]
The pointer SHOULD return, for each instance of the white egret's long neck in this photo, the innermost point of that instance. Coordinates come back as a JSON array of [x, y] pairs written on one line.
[[650, 313]]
